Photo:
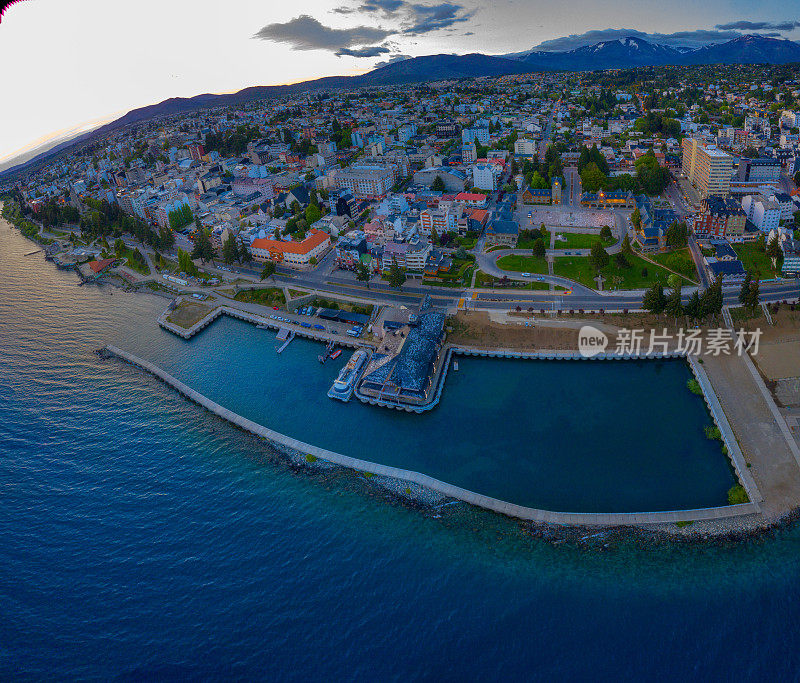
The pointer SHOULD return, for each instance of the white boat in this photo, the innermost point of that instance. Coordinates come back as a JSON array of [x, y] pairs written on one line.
[[345, 383]]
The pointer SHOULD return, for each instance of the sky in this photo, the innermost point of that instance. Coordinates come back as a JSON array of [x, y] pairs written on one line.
[[71, 64]]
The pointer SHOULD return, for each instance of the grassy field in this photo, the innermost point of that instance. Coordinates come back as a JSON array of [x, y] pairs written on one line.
[[140, 267], [485, 281], [187, 314], [680, 261], [580, 240], [269, 296], [638, 275], [523, 264], [755, 260]]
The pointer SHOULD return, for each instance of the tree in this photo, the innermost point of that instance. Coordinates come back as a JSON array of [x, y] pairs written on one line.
[[674, 305], [592, 178], [636, 218], [598, 257], [744, 292], [677, 235], [202, 247], [626, 246], [362, 273], [119, 247], [313, 214], [438, 184], [268, 270], [694, 309], [674, 281], [538, 248], [397, 275], [654, 300], [773, 250], [605, 233], [230, 250]]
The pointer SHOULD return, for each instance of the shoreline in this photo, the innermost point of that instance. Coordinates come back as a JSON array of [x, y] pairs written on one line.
[[716, 528]]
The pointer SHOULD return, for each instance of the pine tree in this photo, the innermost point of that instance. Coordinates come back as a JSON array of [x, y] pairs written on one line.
[[397, 276], [654, 300], [744, 292]]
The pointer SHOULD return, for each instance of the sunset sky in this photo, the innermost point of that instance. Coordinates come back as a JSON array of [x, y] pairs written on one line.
[[68, 64]]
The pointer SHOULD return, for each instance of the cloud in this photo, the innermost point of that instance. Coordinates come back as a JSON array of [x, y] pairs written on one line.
[[427, 18], [392, 59], [759, 26], [306, 33], [387, 7], [693, 39], [369, 51]]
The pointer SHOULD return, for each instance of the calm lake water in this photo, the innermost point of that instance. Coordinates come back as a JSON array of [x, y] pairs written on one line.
[[144, 538]]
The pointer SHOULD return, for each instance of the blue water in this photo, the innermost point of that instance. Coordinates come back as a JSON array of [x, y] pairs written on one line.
[[570, 436], [143, 538]]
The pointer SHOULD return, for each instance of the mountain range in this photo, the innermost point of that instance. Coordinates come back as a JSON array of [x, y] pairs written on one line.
[[610, 54]]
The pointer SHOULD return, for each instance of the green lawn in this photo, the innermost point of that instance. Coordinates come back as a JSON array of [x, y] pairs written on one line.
[[639, 275], [755, 260], [680, 261], [485, 281], [580, 240], [527, 242], [269, 296], [523, 264], [140, 267]]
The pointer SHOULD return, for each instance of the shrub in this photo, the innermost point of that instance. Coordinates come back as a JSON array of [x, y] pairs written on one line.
[[694, 386], [311, 458], [712, 432], [737, 495]]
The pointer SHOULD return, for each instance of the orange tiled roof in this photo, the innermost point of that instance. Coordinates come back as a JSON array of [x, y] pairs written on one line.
[[314, 239]]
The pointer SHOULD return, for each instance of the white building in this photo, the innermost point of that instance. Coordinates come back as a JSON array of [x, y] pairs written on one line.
[[525, 148], [766, 214], [485, 176]]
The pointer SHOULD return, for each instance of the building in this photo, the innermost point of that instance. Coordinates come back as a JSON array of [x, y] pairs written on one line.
[[473, 134], [502, 231], [368, 182], [525, 148], [468, 153], [720, 217], [447, 129], [707, 167], [441, 220], [405, 367], [556, 190], [293, 254], [536, 196], [453, 179], [765, 170], [472, 199], [411, 256], [766, 214], [725, 262], [485, 176]]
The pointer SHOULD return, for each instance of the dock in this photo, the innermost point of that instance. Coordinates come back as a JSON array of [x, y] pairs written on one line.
[[285, 335]]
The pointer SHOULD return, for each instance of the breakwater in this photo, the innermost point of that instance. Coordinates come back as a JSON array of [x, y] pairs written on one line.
[[302, 449]]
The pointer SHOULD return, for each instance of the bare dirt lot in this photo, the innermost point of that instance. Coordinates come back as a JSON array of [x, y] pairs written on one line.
[[188, 313], [477, 329], [778, 355]]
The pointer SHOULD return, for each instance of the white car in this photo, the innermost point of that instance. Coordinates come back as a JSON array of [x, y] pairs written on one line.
[[526, 274]]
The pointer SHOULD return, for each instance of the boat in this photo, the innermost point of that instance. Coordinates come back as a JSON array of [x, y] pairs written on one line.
[[345, 383], [336, 354]]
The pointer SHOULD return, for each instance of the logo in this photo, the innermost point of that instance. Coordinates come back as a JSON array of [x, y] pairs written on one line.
[[591, 341]]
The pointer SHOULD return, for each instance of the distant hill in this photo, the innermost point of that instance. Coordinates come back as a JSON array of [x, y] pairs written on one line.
[[610, 54]]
